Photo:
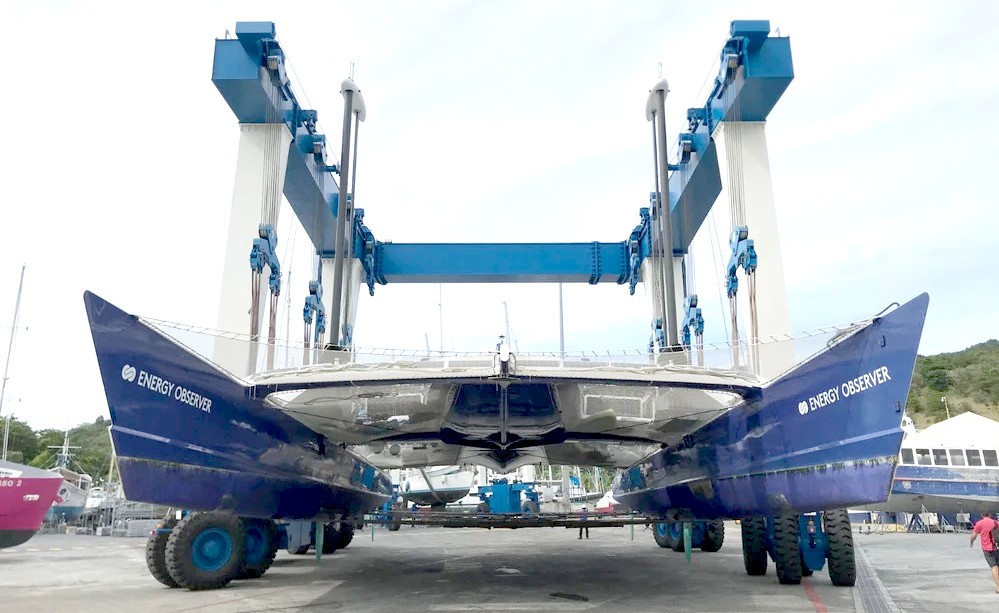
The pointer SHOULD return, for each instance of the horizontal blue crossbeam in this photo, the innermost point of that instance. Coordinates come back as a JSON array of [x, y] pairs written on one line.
[[501, 263]]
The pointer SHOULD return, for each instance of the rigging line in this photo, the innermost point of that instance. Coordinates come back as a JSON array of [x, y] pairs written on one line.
[[305, 96], [713, 231]]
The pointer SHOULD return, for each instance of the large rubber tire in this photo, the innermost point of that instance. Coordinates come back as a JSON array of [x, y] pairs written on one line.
[[839, 534], [754, 545], [676, 535], [530, 508], [396, 522], [787, 549], [156, 553], [714, 536], [346, 533], [331, 539], [660, 531], [260, 538], [205, 550], [300, 551]]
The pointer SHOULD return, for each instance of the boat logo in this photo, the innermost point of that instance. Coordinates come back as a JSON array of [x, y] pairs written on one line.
[[858, 385], [160, 385]]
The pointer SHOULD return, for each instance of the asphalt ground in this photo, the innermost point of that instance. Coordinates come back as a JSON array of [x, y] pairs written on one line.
[[436, 569]]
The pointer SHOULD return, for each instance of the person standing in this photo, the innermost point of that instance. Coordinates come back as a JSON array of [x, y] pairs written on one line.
[[984, 527], [584, 513]]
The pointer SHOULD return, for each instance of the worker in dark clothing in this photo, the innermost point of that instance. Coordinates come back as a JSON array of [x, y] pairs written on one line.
[[583, 514]]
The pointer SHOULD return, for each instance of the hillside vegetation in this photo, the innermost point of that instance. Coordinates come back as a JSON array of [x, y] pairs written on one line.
[[969, 380], [39, 448]]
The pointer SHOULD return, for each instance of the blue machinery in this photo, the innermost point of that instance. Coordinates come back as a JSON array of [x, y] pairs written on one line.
[[503, 496], [249, 71]]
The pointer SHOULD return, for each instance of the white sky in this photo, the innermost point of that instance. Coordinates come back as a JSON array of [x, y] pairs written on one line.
[[499, 121]]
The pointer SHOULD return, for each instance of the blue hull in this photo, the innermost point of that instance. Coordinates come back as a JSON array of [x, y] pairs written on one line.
[[825, 435], [942, 489], [64, 513], [188, 435]]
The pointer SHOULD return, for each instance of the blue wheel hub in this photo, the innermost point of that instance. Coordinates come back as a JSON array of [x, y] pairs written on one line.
[[212, 549], [256, 545], [662, 529], [675, 530]]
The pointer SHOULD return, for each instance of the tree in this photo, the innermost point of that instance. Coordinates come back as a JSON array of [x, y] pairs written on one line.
[[21, 441]]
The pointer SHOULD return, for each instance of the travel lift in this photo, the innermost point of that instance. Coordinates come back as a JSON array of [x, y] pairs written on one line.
[[281, 151]]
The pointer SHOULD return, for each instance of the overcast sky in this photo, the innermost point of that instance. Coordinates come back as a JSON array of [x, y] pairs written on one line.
[[498, 121]]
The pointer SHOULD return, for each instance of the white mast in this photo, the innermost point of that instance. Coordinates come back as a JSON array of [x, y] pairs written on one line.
[[6, 369]]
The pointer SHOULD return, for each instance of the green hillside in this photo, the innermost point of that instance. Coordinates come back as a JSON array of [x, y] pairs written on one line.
[[968, 379], [33, 447]]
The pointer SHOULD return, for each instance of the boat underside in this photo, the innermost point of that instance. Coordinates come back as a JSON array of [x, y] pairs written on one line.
[[222, 428]]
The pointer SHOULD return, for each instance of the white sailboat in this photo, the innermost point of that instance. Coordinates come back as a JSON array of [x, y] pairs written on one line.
[[437, 485]]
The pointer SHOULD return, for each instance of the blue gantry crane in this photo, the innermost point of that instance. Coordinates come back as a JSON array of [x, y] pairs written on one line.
[[250, 73]]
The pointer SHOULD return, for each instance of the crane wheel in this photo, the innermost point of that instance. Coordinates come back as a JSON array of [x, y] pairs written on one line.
[[754, 545], [346, 535], [839, 536], [260, 538], [156, 552], [660, 531], [787, 549], [714, 535], [205, 550]]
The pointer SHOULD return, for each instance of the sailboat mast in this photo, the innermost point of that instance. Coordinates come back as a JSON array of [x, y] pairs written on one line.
[[6, 368]]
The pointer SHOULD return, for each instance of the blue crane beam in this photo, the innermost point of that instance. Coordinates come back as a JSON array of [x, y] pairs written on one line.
[[249, 72], [502, 263], [755, 71]]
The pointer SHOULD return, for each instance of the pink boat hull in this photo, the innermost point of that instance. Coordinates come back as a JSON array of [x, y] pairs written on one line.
[[26, 493]]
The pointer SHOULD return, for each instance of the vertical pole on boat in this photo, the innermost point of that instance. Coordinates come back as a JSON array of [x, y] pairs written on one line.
[[6, 368], [506, 321], [561, 327]]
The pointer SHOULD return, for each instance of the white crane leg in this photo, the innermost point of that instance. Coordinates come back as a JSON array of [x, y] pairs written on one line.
[[261, 160], [745, 171]]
